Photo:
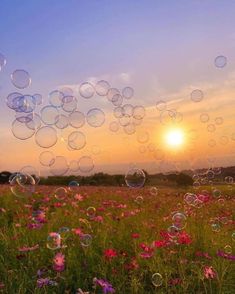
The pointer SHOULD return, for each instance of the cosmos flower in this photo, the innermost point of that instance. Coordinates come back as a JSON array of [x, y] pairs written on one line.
[[26, 249], [106, 286], [209, 272], [59, 262], [225, 255], [110, 253]]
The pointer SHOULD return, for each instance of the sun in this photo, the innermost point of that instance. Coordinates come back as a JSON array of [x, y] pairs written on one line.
[[174, 138]]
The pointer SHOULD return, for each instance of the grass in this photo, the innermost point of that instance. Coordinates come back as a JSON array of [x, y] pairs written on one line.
[[122, 216]]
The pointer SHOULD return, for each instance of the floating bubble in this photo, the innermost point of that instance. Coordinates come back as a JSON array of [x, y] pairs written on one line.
[[61, 193], [64, 232], [95, 117], [139, 112], [20, 78], [129, 129], [86, 90], [153, 191], [21, 131], [86, 164], [233, 236], [32, 171], [111, 93], [219, 120], [62, 121], [114, 126], [25, 104], [56, 98], [46, 158], [143, 137], [102, 88], [197, 95], [24, 118], [124, 120], [35, 122], [91, 212], [189, 198], [173, 231], [12, 100], [49, 115], [85, 240], [22, 185], [215, 227], [73, 185], [69, 103], [161, 105], [228, 249], [117, 100], [128, 92], [59, 166], [38, 99], [139, 200], [128, 109], [67, 91], [157, 280], [220, 61], [179, 220], [118, 112], [228, 180], [135, 178], [54, 241], [76, 140], [204, 117], [211, 128], [167, 117], [46, 137], [216, 193], [76, 119]]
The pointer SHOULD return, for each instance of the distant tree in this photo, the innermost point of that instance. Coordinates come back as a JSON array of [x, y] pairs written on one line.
[[184, 180]]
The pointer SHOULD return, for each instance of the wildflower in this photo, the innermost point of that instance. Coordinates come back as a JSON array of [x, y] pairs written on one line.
[[26, 249], [175, 282], [209, 272], [106, 286], [77, 231], [42, 282], [225, 255], [184, 238], [135, 235], [110, 253], [59, 262]]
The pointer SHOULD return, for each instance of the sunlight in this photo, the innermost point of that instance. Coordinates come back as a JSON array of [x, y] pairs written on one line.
[[174, 138]]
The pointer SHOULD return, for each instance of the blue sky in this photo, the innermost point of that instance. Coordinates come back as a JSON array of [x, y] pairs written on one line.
[[162, 46]]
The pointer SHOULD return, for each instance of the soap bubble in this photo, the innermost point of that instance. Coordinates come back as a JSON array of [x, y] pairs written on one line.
[[46, 158], [86, 164], [102, 88], [117, 100], [64, 232], [139, 112], [61, 193], [35, 122], [197, 95], [59, 166], [86, 90], [142, 137], [95, 117], [73, 166], [54, 241], [219, 120], [85, 240], [139, 200], [76, 119], [91, 212], [161, 105], [46, 137], [220, 61], [12, 100], [20, 78], [179, 220], [56, 98], [21, 131], [153, 191], [111, 93], [49, 115], [135, 178], [76, 140], [157, 279], [32, 171], [22, 185], [69, 103], [118, 112], [38, 99], [189, 198], [114, 126], [204, 117], [62, 121], [228, 249], [73, 185], [211, 128], [128, 92], [129, 129]]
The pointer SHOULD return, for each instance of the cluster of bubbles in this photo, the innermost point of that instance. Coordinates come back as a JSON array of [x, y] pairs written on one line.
[[179, 222]]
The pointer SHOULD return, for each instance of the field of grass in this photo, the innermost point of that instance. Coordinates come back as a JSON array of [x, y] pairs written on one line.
[[117, 240]]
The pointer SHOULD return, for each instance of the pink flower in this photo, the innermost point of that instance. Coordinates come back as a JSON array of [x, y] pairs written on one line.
[[110, 253], [209, 272], [135, 235], [77, 231], [184, 238], [26, 249], [59, 262]]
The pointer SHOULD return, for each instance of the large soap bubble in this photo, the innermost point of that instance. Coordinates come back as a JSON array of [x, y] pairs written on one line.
[[135, 178], [46, 137], [95, 117], [20, 78]]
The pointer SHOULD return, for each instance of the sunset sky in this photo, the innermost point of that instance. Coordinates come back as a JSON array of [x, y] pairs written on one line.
[[162, 49]]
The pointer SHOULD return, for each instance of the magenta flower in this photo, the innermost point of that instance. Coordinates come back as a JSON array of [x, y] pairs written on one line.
[[59, 262], [106, 286]]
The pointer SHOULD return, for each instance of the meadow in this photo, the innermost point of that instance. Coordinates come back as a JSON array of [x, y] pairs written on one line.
[[117, 240]]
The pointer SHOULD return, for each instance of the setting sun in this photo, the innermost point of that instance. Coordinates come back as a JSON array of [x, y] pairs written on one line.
[[174, 138]]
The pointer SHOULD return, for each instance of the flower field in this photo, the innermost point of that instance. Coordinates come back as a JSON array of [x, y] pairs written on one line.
[[117, 240]]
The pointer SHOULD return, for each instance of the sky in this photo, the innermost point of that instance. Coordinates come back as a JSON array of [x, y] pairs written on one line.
[[162, 49]]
